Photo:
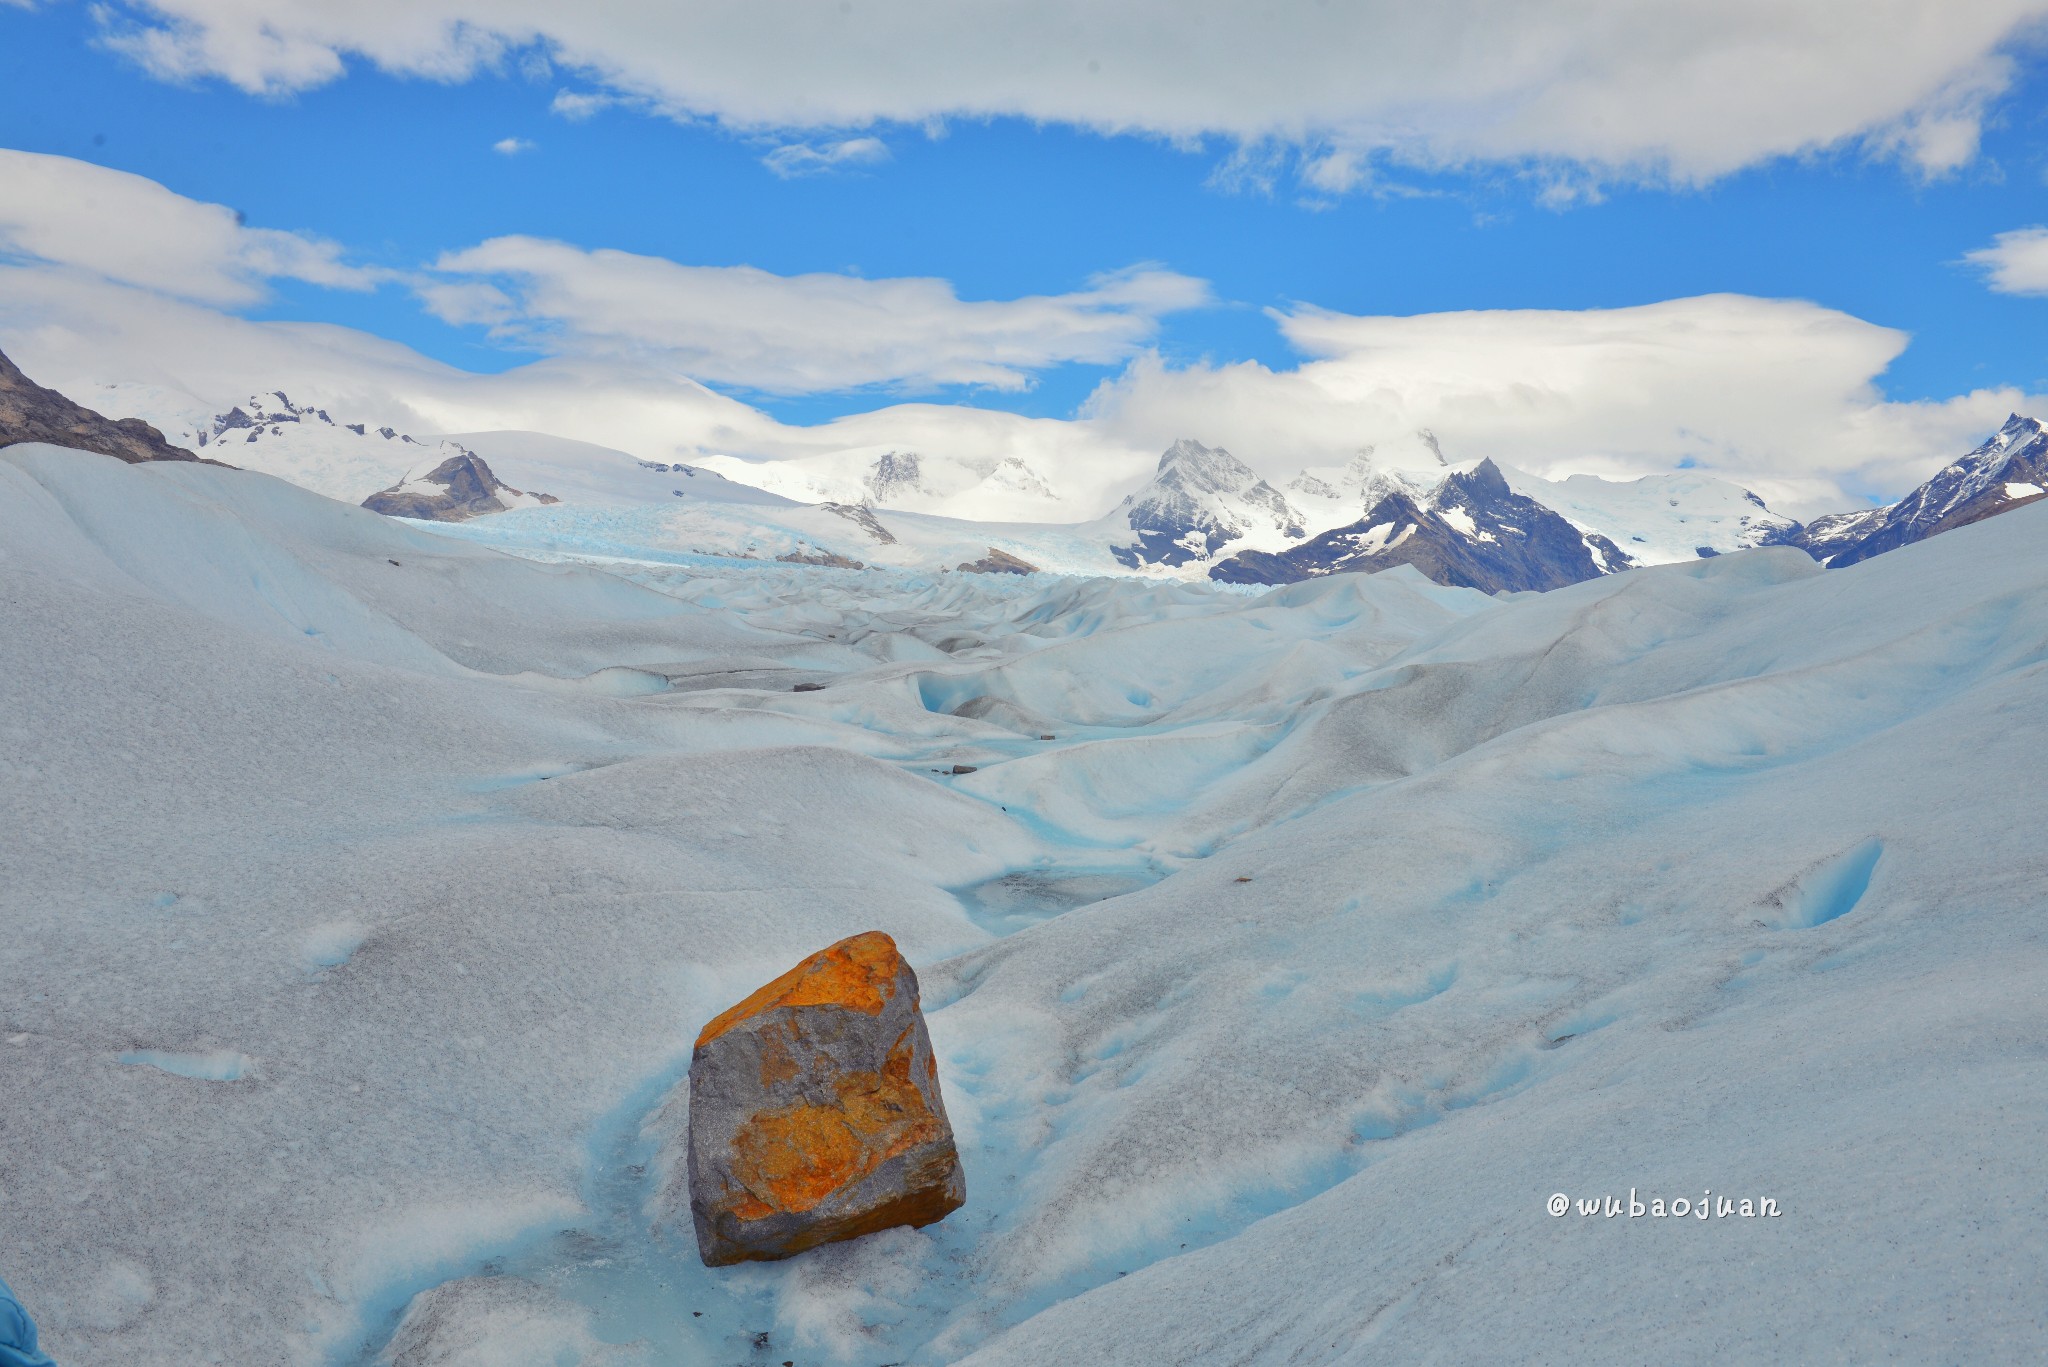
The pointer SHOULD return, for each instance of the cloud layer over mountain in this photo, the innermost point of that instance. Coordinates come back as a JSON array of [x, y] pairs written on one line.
[[109, 277]]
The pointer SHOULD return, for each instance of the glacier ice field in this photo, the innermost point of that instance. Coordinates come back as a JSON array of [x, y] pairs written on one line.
[[1286, 954]]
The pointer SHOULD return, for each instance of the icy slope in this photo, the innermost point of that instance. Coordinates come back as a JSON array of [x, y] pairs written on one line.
[[584, 473], [1341, 925], [1635, 885]]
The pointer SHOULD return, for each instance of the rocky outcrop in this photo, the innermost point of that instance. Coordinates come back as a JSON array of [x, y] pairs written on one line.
[[830, 560], [459, 488], [895, 473], [815, 1113], [270, 414], [863, 517], [998, 562], [1472, 532], [29, 412]]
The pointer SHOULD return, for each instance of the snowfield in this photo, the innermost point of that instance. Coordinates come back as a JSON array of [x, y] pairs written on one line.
[[1285, 953]]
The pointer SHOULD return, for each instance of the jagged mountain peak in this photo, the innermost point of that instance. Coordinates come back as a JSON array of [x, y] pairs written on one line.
[[2008, 469], [1472, 530], [1209, 468], [1187, 448], [1483, 480], [1200, 499], [2018, 427]]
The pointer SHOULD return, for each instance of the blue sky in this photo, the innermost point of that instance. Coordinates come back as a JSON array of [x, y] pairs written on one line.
[[398, 168]]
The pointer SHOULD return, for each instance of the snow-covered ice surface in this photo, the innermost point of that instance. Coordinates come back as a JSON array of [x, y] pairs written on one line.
[[1658, 519], [714, 517], [359, 915]]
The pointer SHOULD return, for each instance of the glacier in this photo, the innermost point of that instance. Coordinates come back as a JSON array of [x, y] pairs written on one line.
[[1285, 953]]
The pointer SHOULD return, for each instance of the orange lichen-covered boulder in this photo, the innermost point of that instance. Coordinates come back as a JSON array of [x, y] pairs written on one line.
[[815, 1112]]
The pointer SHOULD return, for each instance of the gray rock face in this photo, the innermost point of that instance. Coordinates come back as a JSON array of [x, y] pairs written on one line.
[[863, 517], [895, 473], [29, 412], [1473, 532], [829, 559], [815, 1113], [998, 562], [459, 488], [271, 413]]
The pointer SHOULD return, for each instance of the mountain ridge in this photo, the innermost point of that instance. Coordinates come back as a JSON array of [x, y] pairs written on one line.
[[2009, 470], [29, 412], [1472, 531], [1202, 511]]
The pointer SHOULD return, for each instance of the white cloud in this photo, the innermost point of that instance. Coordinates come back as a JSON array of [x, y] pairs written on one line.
[[578, 105], [512, 147], [810, 159], [1684, 90], [1776, 394], [2016, 262], [794, 334], [112, 278], [130, 229], [80, 333]]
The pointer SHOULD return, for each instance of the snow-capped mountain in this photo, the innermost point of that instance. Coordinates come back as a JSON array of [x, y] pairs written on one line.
[[1201, 499], [267, 415], [1472, 531], [2008, 470], [352, 456], [1331, 496], [345, 456], [1202, 511]]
